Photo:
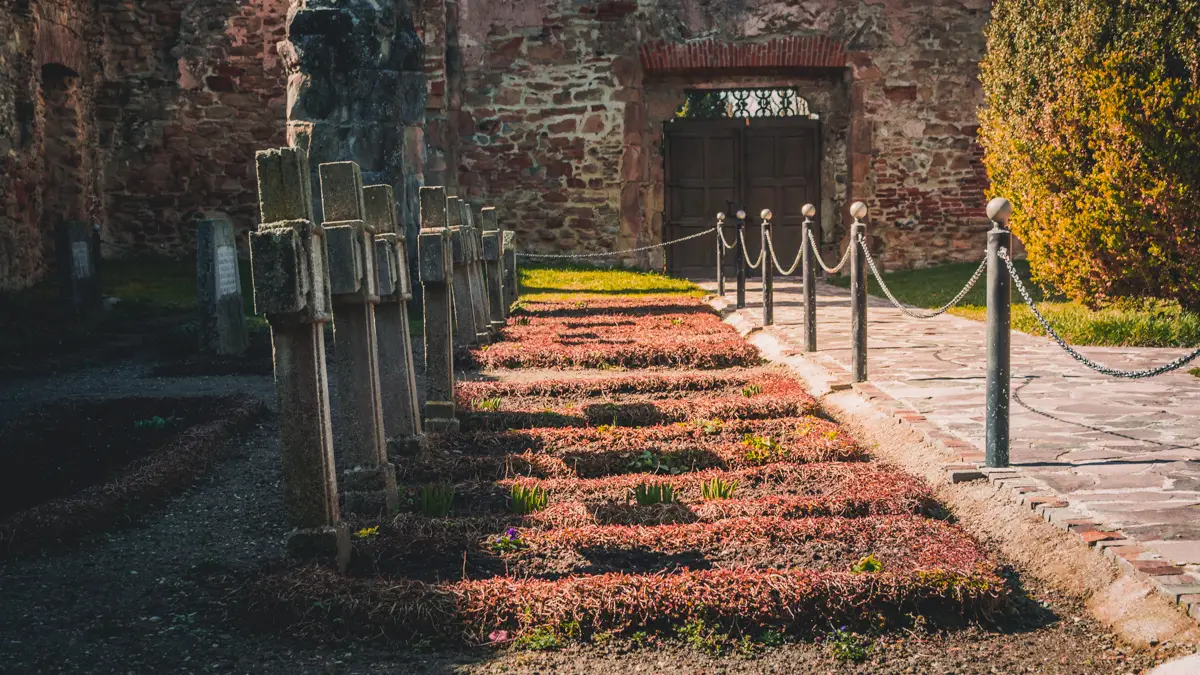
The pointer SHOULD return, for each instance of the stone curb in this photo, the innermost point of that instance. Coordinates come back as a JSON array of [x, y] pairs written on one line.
[[825, 375]]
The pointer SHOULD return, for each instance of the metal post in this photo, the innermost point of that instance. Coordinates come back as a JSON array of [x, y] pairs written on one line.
[[741, 259], [858, 294], [768, 271], [809, 274], [999, 318], [720, 255]]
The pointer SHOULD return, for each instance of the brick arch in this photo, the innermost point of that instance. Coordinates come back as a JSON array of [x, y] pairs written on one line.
[[813, 51], [59, 45]]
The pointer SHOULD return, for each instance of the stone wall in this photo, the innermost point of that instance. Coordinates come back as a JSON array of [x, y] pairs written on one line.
[[564, 104], [140, 116]]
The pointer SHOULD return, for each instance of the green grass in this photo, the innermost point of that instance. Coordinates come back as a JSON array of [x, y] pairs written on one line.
[[1125, 324], [550, 283]]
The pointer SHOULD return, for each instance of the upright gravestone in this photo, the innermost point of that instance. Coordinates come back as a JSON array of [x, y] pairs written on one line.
[[510, 267], [464, 312], [291, 288], [482, 302], [219, 289], [493, 260], [434, 253], [368, 480], [397, 379], [77, 254]]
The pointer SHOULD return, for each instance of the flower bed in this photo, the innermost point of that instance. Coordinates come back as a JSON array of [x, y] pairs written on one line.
[[614, 333], [761, 395]]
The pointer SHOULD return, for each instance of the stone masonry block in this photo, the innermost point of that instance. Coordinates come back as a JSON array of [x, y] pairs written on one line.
[[278, 272], [342, 192], [380, 205], [491, 245], [455, 215], [284, 187], [458, 243], [433, 207], [345, 256], [489, 219], [432, 255]]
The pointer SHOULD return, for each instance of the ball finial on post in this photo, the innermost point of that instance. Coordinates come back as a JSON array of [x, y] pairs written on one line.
[[741, 214], [720, 216], [999, 210], [808, 210], [858, 211], [766, 214]]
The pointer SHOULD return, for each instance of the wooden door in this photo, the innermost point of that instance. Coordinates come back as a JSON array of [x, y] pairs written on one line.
[[731, 164]]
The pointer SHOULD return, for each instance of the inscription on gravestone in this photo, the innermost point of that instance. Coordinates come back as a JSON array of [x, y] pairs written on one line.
[[81, 259], [227, 271]]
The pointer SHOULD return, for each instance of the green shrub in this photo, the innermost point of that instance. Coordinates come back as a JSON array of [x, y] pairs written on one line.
[[647, 494], [525, 500], [868, 565], [1092, 128], [718, 489]]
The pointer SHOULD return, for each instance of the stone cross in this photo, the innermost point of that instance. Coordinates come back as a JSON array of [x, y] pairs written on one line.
[[483, 312], [219, 289], [493, 243], [78, 252], [511, 289], [368, 480], [464, 313], [436, 262], [291, 288], [397, 378]]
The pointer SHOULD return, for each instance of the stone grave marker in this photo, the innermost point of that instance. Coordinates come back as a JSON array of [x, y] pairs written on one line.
[[435, 255], [77, 253], [219, 289], [368, 480], [291, 287], [510, 267], [493, 243], [397, 378], [464, 313]]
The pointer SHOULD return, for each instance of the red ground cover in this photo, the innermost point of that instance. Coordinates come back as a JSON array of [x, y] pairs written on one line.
[[616, 333]]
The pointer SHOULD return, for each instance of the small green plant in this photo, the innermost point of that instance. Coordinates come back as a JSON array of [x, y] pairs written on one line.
[[676, 321], [523, 321], [488, 404], [648, 462], [157, 423], [868, 565], [705, 638], [831, 434], [525, 500], [752, 390], [647, 494], [718, 489], [508, 542], [435, 500], [760, 449], [1195, 372], [606, 428], [640, 638], [367, 532], [540, 639], [771, 638], [848, 647]]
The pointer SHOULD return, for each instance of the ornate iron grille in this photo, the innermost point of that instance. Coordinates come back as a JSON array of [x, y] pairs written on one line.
[[757, 102]]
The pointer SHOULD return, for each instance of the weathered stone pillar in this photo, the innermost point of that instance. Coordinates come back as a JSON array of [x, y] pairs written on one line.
[[481, 303], [397, 379], [219, 289], [493, 259], [510, 267], [291, 288], [368, 480], [78, 276], [437, 280], [464, 312]]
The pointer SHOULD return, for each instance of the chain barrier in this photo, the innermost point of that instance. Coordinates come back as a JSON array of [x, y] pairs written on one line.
[[817, 250], [788, 272], [761, 254], [725, 244], [612, 253], [1100, 368], [914, 313]]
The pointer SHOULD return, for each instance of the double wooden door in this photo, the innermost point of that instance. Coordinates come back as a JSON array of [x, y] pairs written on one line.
[[740, 163]]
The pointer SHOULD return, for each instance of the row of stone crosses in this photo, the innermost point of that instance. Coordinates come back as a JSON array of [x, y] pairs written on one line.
[[352, 269]]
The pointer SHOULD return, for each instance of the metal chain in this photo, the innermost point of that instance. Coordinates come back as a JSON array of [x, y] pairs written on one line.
[[914, 313], [608, 253], [761, 254], [788, 272], [727, 245], [1130, 374], [817, 250]]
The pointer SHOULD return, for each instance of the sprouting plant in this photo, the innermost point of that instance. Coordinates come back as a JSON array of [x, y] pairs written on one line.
[[540, 639], [525, 500], [435, 500], [761, 449], [523, 321], [156, 423], [848, 647], [606, 428], [488, 404], [368, 532], [804, 430], [581, 305], [868, 565], [718, 489], [647, 494], [705, 638], [648, 462], [831, 434], [639, 638], [676, 321], [771, 638], [711, 427], [752, 390], [508, 542]]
